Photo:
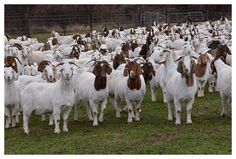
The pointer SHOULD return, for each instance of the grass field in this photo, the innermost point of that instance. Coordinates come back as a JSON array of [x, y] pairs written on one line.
[[209, 134]]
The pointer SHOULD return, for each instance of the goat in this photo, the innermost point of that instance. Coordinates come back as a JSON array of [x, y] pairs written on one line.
[[42, 98], [182, 87], [12, 96], [132, 89], [202, 73], [224, 82], [92, 87]]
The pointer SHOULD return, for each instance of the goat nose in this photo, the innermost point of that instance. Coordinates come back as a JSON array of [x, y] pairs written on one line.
[[186, 70]]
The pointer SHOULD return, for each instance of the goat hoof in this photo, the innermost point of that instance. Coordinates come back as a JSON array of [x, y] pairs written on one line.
[[189, 122], [57, 131], [170, 119], [223, 115], [100, 120], [154, 100], [26, 132], [178, 123], [130, 121], [65, 130]]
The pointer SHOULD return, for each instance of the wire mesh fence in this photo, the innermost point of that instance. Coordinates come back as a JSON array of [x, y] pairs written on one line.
[[86, 22]]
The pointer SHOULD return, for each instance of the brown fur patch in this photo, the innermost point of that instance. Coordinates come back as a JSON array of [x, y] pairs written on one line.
[[55, 41], [203, 59], [133, 82], [100, 70], [119, 59], [46, 47], [10, 61], [42, 65], [189, 77]]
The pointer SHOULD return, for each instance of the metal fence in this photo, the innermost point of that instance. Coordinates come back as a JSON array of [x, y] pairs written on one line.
[[84, 23]]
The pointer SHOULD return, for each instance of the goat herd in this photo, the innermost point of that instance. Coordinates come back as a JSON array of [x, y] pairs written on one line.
[[55, 76]]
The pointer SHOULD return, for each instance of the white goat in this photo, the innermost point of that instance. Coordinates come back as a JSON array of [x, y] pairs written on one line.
[[49, 98], [132, 89], [182, 87], [224, 82], [92, 87], [12, 97], [202, 73]]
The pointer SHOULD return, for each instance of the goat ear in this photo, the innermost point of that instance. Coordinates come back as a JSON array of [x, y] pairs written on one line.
[[125, 72], [15, 75], [180, 67], [96, 71], [44, 77], [194, 67]]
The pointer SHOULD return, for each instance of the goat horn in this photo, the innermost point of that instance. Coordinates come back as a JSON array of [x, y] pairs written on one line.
[[194, 57], [91, 60], [17, 59], [73, 64], [179, 58], [60, 64]]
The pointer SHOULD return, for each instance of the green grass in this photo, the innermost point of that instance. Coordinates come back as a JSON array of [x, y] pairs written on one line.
[[209, 134]]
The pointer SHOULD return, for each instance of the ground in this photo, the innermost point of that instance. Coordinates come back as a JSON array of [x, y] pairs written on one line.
[[154, 134]]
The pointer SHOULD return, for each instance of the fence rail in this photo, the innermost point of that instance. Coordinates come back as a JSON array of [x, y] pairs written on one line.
[[16, 25]]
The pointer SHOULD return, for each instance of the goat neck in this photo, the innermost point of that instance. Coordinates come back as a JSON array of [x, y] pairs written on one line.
[[100, 82], [134, 83]]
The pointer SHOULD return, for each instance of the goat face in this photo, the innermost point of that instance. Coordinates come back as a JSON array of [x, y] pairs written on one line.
[[187, 48], [203, 59], [162, 57], [10, 74], [67, 71], [187, 67], [27, 70], [48, 74], [119, 59], [13, 51], [148, 71], [133, 69], [102, 68]]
